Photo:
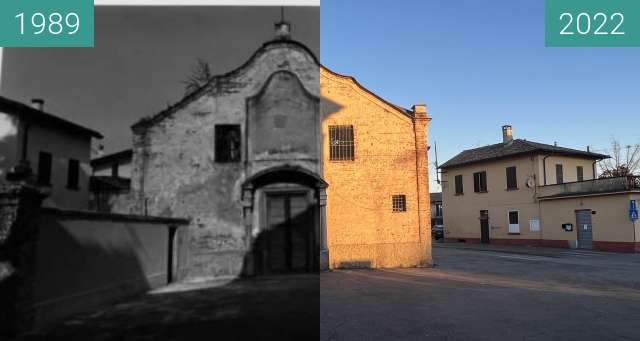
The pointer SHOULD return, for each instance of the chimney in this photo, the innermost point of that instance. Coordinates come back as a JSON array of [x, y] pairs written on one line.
[[37, 104], [283, 30], [419, 110], [507, 133]]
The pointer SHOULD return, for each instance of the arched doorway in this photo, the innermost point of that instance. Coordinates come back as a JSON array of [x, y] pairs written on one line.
[[284, 215]]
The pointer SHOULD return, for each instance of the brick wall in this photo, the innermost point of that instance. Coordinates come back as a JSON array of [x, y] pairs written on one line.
[[390, 158]]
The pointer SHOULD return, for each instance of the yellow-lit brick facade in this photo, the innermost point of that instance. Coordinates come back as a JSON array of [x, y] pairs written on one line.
[[390, 159]]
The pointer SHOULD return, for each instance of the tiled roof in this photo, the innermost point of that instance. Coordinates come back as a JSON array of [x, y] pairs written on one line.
[[106, 159], [28, 113], [513, 148]]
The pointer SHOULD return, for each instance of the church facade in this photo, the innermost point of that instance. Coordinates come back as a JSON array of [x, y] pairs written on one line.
[[248, 158]]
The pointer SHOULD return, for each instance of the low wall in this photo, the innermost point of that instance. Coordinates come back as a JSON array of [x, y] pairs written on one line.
[[85, 260], [55, 263]]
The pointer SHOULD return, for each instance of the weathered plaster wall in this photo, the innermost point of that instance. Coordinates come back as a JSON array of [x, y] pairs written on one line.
[[62, 146], [390, 158], [461, 212], [174, 171]]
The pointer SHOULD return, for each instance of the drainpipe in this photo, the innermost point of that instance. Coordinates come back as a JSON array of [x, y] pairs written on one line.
[[544, 168]]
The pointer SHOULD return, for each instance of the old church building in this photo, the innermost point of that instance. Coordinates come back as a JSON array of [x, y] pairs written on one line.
[[278, 175]]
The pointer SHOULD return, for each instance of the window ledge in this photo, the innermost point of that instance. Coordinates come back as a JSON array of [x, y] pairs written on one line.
[[482, 192], [514, 233], [512, 189]]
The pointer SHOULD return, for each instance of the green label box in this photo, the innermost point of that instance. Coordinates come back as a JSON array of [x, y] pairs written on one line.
[[46, 23], [586, 23]]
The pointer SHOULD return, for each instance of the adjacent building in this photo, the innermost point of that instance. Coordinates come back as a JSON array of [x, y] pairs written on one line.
[[110, 181], [436, 209], [53, 150], [528, 193]]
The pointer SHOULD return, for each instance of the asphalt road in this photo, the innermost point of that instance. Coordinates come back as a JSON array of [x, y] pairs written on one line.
[[488, 293]]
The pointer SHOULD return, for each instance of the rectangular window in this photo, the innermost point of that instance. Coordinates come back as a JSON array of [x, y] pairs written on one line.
[[44, 169], [227, 143], [114, 170], [480, 182], [512, 179], [580, 173], [73, 173], [459, 188], [514, 222], [559, 174], [438, 210], [399, 203], [341, 145]]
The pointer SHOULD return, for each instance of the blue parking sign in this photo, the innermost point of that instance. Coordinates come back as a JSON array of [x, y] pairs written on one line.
[[633, 210]]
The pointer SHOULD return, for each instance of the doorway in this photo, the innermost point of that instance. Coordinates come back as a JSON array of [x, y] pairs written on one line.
[[484, 227], [584, 229], [287, 242]]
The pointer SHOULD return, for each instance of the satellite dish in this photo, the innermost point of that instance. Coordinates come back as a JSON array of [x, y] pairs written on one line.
[[531, 182]]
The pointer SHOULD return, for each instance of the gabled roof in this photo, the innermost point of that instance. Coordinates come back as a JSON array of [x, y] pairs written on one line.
[[513, 148], [400, 109], [121, 155], [149, 121], [31, 114]]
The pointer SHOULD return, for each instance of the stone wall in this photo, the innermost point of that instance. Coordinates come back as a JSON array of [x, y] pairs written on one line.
[[174, 168]]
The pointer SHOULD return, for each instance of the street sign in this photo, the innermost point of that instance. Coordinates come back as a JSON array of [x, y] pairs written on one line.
[[633, 210]]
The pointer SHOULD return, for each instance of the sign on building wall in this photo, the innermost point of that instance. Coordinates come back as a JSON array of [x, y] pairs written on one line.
[[534, 225], [633, 210]]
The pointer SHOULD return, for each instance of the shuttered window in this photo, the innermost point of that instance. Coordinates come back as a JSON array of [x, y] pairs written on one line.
[[44, 169], [579, 173], [480, 182], [341, 145], [512, 180], [73, 172], [459, 188], [559, 174]]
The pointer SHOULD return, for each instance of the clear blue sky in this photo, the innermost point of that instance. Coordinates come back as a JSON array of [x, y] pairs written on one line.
[[481, 64]]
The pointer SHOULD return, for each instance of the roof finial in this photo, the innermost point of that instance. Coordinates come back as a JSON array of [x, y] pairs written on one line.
[[283, 28]]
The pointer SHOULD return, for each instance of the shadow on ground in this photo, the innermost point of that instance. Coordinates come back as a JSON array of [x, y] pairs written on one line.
[[278, 307]]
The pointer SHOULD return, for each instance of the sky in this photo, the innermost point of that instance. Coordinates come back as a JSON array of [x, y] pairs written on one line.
[[140, 59], [481, 64]]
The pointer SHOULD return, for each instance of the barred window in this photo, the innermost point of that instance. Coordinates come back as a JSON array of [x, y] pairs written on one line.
[[341, 146], [399, 203]]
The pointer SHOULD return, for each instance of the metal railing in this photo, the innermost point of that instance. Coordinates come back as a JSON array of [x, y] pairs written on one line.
[[603, 185]]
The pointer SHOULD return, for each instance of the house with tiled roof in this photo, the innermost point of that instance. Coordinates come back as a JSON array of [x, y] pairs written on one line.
[[51, 151], [528, 193]]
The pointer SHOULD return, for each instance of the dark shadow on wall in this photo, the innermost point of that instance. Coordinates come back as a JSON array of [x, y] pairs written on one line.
[[274, 302]]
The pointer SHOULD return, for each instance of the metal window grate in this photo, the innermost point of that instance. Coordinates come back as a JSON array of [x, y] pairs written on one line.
[[399, 203], [341, 146]]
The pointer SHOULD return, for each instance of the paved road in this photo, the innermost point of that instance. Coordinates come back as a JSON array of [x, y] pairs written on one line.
[[488, 293], [269, 308]]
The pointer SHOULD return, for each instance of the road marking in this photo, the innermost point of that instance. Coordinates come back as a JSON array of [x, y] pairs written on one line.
[[534, 258]]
